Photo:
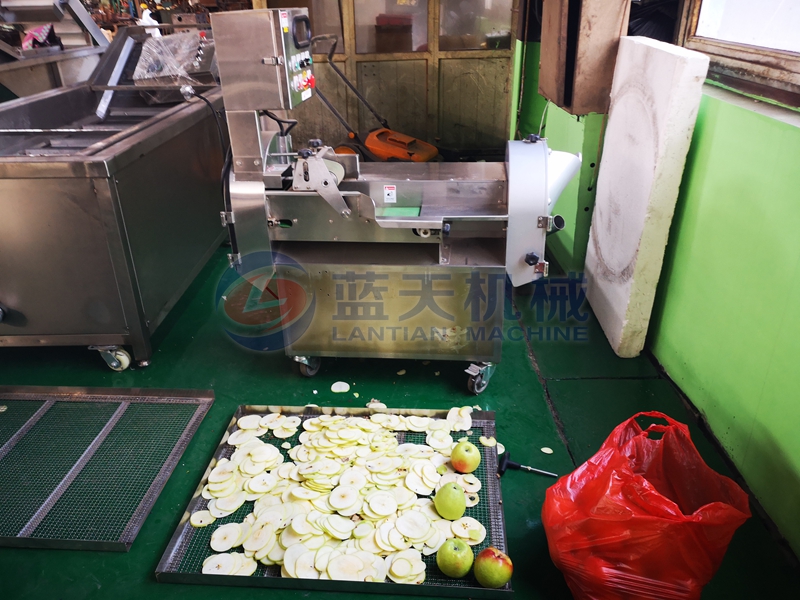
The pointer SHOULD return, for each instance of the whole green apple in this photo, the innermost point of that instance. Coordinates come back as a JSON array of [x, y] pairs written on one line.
[[493, 569], [450, 501], [454, 558], [465, 457]]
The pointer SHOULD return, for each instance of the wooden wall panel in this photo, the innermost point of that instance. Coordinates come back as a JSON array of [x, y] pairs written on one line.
[[315, 120], [552, 64], [602, 24], [473, 103], [398, 89], [579, 46]]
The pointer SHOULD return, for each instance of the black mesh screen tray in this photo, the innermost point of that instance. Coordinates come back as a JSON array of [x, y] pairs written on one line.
[[183, 559], [80, 468]]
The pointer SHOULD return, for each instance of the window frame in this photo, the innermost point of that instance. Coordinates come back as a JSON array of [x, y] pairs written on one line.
[[762, 71]]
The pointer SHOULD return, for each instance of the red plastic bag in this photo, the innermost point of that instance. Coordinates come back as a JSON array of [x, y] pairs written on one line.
[[642, 518]]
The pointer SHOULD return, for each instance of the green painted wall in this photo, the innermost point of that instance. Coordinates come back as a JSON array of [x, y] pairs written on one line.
[[726, 324], [576, 203], [531, 104], [516, 81]]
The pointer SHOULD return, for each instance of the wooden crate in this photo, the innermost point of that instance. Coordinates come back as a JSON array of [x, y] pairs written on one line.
[[579, 48]]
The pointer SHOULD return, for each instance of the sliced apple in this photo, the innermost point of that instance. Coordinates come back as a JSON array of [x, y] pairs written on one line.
[[343, 497], [304, 566], [201, 518], [219, 564], [241, 436], [225, 536], [470, 483], [272, 420], [346, 567], [382, 504], [231, 503], [414, 525], [471, 499], [249, 422], [261, 539], [489, 442], [248, 567]]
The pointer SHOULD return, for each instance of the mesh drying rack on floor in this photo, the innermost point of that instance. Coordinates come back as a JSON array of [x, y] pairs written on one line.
[[80, 468], [189, 547]]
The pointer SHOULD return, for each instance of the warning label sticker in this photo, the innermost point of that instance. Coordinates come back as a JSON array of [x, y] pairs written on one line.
[[389, 194], [284, 18]]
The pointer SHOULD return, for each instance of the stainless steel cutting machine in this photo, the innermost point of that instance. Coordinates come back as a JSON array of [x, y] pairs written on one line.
[[344, 258]]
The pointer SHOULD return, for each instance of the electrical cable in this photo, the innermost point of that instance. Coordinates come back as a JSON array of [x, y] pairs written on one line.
[[544, 114], [281, 122], [216, 119], [227, 164], [226, 195]]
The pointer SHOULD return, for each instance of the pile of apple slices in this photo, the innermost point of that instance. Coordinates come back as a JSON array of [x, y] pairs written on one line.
[[352, 505], [233, 563]]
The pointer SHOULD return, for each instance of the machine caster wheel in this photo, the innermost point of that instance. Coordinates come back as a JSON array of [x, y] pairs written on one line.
[[116, 358], [123, 358], [479, 376], [310, 368], [477, 384]]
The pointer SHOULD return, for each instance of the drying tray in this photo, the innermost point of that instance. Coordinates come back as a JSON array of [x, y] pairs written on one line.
[[80, 468], [183, 559]]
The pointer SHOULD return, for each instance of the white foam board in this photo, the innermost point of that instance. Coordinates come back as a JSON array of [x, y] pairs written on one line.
[[655, 96]]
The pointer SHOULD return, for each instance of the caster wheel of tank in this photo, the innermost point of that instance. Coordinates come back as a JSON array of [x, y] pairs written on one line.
[[477, 384], [312, 369], [123, 358]]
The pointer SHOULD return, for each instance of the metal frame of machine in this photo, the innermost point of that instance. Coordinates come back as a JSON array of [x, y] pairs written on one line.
[[452, 229], [27, 72], [47, 11], [109, 214]]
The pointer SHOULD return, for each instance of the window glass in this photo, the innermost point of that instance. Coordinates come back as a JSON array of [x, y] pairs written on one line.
[[475, 25], [767, 23], [385, 26], [325, 17]]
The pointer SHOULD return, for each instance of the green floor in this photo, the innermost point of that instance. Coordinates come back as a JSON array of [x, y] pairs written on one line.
[[587, 386]]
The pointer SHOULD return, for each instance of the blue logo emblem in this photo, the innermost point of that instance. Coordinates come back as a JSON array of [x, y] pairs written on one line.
[[261, 312]]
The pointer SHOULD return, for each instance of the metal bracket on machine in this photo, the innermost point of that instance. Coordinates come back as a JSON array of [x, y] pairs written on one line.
[[249, 214], [551, 223], [313, 173]]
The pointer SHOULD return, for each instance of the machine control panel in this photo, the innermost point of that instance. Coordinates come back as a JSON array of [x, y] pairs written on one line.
[[301, 75], [264, 58], [295, 29]]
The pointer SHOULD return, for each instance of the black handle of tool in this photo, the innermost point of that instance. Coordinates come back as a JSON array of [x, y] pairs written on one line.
[[331, 52], [505, 462]]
